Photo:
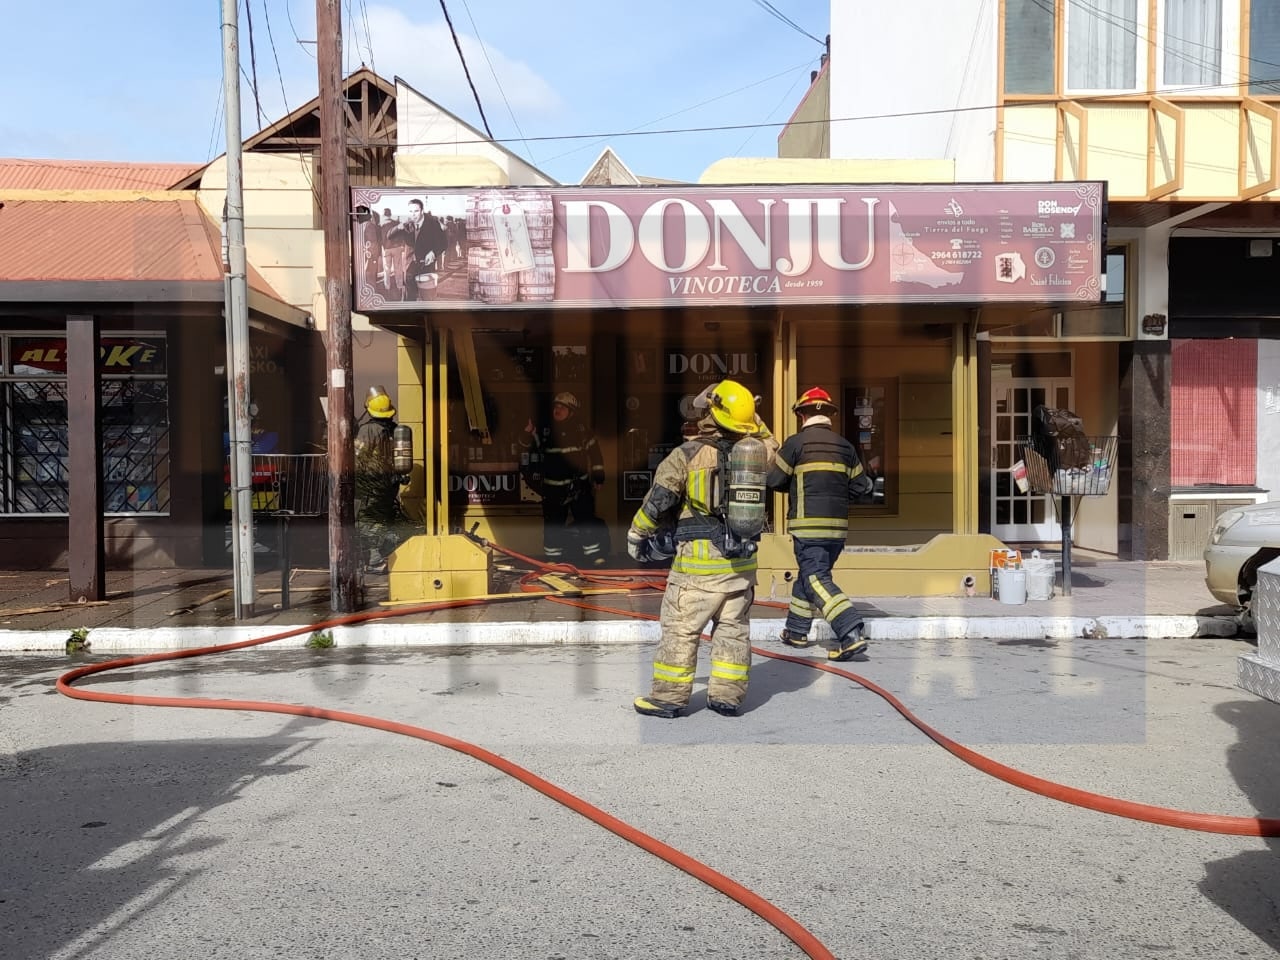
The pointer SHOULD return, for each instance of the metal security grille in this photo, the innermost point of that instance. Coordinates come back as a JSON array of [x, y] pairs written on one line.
[[34, 476], [135, 446], [33, 445]]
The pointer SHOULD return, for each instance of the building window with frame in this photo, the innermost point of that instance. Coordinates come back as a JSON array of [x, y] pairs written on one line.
[[1102, 44], [34, 478], [1191, 36], [1028, 47], [1264, 49]]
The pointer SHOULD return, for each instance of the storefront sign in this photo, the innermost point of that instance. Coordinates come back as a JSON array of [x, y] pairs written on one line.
[[628, 247], [709, 367], [45, 355], [486, 488]]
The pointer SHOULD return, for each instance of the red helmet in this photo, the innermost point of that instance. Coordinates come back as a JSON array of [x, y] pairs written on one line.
[[816, 400]]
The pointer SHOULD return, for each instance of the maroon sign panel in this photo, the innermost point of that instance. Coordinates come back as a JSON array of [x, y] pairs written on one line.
[[659, 246]]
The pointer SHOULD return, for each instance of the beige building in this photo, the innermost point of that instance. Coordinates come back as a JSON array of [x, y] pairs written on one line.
[[1176, 107]]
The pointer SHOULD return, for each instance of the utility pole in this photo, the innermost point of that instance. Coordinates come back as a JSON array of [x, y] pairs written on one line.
[[334, 203], [236, 311]]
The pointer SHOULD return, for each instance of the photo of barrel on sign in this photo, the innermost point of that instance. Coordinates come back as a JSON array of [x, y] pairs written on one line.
[[510, 254]]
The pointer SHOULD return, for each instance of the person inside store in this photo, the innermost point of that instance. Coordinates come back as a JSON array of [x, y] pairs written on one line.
[[380, 520], [821, 473], [562, 463], [712, 578]]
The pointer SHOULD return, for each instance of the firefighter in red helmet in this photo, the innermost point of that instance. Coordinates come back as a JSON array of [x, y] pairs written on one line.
[[820, 471]]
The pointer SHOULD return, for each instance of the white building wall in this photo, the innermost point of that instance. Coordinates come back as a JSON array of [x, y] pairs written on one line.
[[914, 57], [425, 129], [1269, 417]]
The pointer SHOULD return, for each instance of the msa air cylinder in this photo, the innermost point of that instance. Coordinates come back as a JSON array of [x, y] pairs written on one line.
[[745, 489]]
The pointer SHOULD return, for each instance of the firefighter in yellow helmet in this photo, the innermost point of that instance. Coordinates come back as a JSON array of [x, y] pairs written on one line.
[[712, 574], [821, 471], [380, 521]]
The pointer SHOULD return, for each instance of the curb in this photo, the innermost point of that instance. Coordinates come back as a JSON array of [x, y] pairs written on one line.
[[549, 633]]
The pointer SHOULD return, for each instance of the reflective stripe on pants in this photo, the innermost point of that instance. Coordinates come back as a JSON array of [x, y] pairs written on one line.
[[814, 590], [686, 610]]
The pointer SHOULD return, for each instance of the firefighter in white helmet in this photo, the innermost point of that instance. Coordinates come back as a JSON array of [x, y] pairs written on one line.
[[562, 463], [821, 472], [717, 521]]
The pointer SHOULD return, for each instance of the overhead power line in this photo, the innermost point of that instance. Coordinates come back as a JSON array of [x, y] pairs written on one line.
[[466, 70], [253, 61], [1094, 98], [494, 73], [695, 106], [778, 15]]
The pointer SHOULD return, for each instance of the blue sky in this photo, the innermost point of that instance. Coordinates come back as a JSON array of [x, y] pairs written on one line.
[[142, 79]]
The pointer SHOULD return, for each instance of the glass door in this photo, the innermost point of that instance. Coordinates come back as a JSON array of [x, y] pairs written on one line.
[[1018, 516]]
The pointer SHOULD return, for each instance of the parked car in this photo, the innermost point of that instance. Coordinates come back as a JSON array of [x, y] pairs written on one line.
[[1243, 540]]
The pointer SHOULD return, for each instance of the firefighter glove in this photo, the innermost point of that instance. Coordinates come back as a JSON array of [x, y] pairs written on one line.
[[638, 547]]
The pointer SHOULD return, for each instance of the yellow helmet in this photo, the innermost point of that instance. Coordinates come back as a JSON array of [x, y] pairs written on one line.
[[733, 407], [379, 404]]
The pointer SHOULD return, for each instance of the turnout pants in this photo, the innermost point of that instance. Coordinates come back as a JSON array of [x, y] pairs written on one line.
[[686, 610], [815, 592], [587, 533]]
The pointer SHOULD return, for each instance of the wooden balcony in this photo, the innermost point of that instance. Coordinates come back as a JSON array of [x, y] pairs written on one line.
[[1146, 147]]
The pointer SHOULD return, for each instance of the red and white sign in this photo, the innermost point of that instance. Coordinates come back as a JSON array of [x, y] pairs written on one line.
[[516, 248]]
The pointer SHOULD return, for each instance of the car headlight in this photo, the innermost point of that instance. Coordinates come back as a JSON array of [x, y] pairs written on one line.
[[1225, 523]]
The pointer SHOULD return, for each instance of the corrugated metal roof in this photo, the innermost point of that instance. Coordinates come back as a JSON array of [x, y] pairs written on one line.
[[25, 174], [114, 240]]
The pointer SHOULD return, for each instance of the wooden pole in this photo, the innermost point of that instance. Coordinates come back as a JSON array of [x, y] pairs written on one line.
[[86, 551], [335, 203]]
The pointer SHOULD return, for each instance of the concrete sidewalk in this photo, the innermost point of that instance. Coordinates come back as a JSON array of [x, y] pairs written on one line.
[[163, 609]]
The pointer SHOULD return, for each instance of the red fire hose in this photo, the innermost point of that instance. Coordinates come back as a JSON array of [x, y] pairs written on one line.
[[639, 579]]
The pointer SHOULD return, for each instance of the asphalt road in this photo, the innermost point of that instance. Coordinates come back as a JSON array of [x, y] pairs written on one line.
[[163, 833]]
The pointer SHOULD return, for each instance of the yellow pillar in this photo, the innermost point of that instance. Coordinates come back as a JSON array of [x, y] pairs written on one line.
[[411, 408], [964, 429]]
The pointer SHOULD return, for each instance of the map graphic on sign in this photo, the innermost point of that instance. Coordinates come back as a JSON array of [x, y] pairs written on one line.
[[909, 265]]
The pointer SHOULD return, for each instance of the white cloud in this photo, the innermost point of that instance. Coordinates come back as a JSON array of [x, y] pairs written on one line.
[[423, 55]]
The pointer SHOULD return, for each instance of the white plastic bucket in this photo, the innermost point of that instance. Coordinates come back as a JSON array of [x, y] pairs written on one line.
[[1040, 576], [1013, 585]]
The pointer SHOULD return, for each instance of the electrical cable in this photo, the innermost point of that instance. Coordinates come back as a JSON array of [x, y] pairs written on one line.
[[1126, 95], [466, 70], [253, 64], [703, 103], [494, 73], [217, 116], [284, 98], [769, 115], [778, 15], [304, 44]]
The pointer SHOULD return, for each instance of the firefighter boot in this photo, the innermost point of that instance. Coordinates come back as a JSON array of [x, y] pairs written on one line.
[[852, 646], [724, 709], [650, 707], [788, 639]]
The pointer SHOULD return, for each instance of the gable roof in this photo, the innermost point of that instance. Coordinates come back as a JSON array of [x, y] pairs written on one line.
[[164, 248], [306, 115], [479, 134], [609, 169], [26, 174]]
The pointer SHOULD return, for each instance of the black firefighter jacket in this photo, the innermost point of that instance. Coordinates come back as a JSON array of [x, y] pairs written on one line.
[[821, 471]]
